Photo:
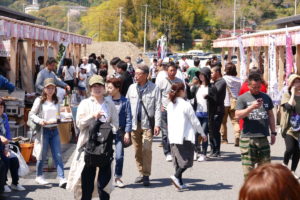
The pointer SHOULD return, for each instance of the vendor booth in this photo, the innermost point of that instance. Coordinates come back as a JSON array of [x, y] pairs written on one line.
[[21, 43]]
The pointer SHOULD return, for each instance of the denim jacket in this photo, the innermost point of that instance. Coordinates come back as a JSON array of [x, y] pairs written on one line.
[[125, 117]]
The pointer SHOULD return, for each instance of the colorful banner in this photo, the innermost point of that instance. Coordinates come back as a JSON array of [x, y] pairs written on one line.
[[5, 48], [289, 57], [273, 82], [243, 66]]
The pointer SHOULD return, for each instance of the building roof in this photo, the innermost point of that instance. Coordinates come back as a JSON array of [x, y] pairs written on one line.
[[7, 12], [287, 20]]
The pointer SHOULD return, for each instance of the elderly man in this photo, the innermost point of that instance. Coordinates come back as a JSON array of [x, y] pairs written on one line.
[[144, 98], [48, 72]]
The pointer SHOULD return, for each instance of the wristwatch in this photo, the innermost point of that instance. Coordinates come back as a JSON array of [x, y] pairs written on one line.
[[274, 133]]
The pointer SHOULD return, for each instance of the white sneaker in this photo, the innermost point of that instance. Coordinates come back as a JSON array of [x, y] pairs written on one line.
[[202, 158], [195, 156], [169, 158], [119, 183], [40, 180], [7, 188], [62, 182], [175, 182], [184, 186], [18, 187], [296, 177]]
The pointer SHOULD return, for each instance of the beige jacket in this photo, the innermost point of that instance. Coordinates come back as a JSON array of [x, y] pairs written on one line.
[[84, 118]]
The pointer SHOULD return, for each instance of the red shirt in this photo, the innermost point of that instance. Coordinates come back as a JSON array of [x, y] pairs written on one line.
[[245, 89]]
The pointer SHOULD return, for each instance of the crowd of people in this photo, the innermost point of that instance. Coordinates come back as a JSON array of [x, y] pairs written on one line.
[[188, 105]]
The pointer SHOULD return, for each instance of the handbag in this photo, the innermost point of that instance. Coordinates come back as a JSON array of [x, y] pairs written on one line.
[[35, 127], [122, 133]]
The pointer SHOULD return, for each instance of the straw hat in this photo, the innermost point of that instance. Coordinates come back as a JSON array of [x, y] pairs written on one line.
[[292, 78]]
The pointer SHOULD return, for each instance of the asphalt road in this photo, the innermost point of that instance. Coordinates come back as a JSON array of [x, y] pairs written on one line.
[[215, 179]]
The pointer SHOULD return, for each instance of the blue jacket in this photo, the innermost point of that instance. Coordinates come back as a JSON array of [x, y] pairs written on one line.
[[4, 83], [125, 117], [7, 134], [6, 126]]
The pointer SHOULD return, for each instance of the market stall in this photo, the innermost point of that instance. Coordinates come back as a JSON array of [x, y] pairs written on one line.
[[272, 51], [20, 45]]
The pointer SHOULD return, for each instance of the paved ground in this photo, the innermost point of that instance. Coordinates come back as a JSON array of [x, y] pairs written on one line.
[[218, 179]]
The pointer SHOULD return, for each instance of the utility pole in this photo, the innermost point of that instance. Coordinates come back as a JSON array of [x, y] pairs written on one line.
[[68, 18], [99, 30], [234, 16], [120, 25], [295, 7], [145, 30]]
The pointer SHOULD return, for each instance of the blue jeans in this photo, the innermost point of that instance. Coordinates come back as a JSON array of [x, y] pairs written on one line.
[[119, 154], [204, 124], [51, 137]]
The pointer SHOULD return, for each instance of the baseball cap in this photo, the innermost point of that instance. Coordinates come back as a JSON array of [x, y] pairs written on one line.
[[96, 79]]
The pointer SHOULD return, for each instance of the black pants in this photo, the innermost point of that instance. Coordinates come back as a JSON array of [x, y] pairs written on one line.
[[70, 83], [178, 172], [87, 182], [12, 164], [164, 130], [2, 175], [215, 140], [292, 150]]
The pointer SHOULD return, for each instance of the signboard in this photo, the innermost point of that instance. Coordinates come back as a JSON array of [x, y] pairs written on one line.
[[4, 48]]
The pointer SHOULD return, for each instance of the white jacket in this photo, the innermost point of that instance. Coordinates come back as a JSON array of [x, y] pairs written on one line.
[[84, 119], [182, 122]]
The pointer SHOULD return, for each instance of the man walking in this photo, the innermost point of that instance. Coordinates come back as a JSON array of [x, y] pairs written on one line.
[[255, 108], [144, 97], [220, 83], [48, 72], [165, 87]]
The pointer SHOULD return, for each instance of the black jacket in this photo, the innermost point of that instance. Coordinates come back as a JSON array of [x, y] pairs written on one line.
[[211, 102], [126, 82]]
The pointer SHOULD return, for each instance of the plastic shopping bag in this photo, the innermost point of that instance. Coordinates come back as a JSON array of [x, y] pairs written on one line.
[[23, 167]]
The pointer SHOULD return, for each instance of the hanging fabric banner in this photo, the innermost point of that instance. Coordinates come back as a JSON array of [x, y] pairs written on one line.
[[289, 56], [273, 82], [243, 66]]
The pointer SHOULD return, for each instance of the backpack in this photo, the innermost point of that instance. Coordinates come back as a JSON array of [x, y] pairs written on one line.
[[99, 147]]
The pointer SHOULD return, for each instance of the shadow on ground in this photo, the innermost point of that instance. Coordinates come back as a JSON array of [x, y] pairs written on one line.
[[22, 194]]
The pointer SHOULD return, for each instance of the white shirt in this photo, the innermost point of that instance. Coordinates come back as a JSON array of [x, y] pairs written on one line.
[[184, 122], [69, 73], [162, 75], [153, 71], [82, 83], [50, 112], [201, 102], [91, 69]]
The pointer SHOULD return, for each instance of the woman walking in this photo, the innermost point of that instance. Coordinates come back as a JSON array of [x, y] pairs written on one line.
[[182, 135], [290, 122], [125, 124], [82, 176], [46, 112], [205, 98], [69, 73]]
